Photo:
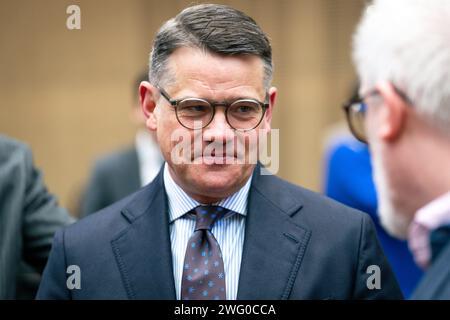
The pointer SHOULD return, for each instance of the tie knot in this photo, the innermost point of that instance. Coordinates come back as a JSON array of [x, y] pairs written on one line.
[[206, 216]]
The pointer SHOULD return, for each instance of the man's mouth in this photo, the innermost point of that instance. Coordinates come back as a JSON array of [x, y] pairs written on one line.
[[218, 159]]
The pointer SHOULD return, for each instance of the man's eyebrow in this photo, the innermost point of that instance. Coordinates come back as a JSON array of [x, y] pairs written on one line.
[[229, 99], [253, 94]]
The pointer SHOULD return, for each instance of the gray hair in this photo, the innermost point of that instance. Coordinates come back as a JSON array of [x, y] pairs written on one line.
[[216, 28], [407, 42]]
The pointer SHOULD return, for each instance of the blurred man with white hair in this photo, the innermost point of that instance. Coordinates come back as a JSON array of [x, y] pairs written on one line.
[[402, 55]]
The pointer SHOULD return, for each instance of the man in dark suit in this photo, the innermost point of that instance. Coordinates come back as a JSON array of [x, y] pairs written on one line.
[[114, 177], [402, 53], [211, 226], [29, 216], [124, 171]]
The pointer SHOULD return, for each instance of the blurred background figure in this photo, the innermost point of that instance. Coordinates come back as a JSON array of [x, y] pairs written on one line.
[[124, 171], [401, 51], [348, 179], [29, 217]]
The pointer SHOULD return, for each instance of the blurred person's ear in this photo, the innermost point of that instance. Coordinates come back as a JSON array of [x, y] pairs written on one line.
[[393, 113], [148, 96]]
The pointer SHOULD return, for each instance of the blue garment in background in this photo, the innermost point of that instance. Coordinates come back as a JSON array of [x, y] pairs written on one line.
[[348, 179]]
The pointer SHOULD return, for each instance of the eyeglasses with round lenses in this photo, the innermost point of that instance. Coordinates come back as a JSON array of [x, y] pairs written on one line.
[[196, 113]]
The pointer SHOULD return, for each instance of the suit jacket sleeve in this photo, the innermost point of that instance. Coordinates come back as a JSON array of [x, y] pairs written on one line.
[[42, 216], [371, 264], [53, 285]]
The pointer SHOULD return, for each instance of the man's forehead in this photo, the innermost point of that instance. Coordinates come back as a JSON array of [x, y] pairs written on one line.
[[210, 72], [193, 60]]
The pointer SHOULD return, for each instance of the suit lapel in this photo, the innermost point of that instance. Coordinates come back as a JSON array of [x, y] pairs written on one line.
[[274, 246], [143, 251]]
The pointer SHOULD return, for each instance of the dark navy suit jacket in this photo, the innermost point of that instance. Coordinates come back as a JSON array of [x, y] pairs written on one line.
[[435, 284], [298, 245]]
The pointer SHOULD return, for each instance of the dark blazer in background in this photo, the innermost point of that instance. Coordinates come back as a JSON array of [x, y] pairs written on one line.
[[113, 178], [29, 215], [435, 284], [298, 245]]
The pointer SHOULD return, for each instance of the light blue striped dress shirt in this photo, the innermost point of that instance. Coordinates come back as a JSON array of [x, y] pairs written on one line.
[[228, 231]]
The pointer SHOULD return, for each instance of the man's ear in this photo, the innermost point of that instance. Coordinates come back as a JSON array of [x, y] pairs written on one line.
[[148, 96], [269, 111], [393, 114]]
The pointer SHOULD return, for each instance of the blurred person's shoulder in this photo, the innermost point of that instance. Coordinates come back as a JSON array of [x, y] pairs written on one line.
[[115, 159], [11, 148]]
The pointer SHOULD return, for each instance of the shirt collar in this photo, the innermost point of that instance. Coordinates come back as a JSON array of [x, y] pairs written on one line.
[[180, 202], [428, 218], [434, 214]]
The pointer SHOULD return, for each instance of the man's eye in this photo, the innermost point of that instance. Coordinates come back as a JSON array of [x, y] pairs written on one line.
[[197, 108], [194, 109], [245, 109]]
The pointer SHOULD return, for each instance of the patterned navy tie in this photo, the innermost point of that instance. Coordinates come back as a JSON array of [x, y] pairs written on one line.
[[203, 270]]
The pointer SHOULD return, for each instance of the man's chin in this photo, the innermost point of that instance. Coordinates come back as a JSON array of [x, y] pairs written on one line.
[[220, 180], [391, 219], [216, 184]]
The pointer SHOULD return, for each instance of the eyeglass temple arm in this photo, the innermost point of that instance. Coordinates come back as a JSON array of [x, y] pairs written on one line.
[[166, 96]]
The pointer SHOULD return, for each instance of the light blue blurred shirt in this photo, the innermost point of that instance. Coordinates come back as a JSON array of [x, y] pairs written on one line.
[[229, 231]]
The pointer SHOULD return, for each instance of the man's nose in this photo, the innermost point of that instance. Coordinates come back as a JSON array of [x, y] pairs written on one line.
[[219, 129]]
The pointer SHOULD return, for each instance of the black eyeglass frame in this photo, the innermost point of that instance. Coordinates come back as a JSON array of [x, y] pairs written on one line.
[[357, 99], [175, 103]]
